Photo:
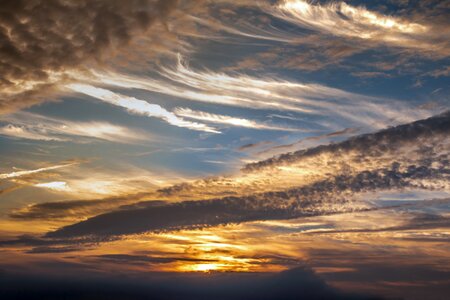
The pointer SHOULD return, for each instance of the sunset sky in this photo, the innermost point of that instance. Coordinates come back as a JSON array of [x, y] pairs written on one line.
[[224, 149]]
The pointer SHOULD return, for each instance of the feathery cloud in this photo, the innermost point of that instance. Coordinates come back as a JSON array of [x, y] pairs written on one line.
[[140, 107], [344, 20], [227, 120], [30, 172], [30, 126], [267, 93]]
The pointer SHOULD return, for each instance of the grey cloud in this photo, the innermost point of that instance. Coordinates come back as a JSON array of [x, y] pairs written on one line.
[[127, 258], [286, 147], [42, 39], [252, 146], [323, 197], [72, 208], [45, 249]]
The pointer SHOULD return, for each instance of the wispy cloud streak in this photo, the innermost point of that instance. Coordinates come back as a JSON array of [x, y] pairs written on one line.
[[30, 126], [343, 20], [266, 93], [30, 172], [140, 107], [227, 120]]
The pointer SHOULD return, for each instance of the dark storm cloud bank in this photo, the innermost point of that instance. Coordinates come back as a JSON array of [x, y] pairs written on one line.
[[299, 283], [323, 197], [368, 145], [39, 38]]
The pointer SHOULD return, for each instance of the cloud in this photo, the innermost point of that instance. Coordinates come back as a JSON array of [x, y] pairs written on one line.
[[445, 71], [227, 120], [422, 143], [30, 126], [252, 146], [44, 40], [74, 209], [127, 258], [323, 197], [286, 285], [343, 132], [371, 145], [344, 20], [417, 223], [268, 93], [140, 107], [30, 172], [54, 185]]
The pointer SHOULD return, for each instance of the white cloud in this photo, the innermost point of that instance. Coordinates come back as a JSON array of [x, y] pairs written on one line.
[[54, 185], [29, 172], [343, 20], [227, 120], [137, 106], [267, 93], [37, 127]]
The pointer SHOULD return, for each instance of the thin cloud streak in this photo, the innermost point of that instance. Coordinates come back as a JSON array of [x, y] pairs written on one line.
[[227, 120], [54, 185], [30, 126], [30, 172], [140, 107], [266, 93]]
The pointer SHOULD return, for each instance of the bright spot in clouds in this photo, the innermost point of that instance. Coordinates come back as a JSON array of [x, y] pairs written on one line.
[[54, 185]]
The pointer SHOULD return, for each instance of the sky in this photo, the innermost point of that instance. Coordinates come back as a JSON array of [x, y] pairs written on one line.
[[250, 149]]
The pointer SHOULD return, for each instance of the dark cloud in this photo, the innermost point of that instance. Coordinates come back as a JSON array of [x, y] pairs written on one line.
[[299, 283], [395, 275], [73, 208], [43, 245], [127, 259], [44, 249], [323, 197], [339, 133], [251, 146], [41, 39]]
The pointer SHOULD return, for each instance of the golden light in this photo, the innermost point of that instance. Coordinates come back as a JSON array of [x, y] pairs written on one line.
[[54, 185]]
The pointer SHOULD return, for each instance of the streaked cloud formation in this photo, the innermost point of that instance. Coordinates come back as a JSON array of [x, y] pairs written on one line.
[[342, 19], [29, 172], [287, 191], [227, 120], [245, 91], [137, 106], [161, 140], [37, 127]]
